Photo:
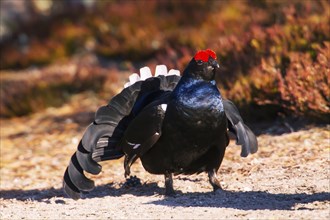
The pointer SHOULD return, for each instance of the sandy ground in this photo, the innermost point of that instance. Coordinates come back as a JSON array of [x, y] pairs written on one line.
[[289, 177]]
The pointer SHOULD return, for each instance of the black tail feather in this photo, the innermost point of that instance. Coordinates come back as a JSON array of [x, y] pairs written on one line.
[[86, 162], [77, 176], [101, 138], [69, 188]]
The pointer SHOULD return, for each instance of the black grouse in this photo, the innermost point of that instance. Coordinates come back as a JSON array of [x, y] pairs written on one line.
[[175, 125]]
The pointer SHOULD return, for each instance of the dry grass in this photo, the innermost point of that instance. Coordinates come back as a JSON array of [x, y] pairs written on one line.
[[287, 178]]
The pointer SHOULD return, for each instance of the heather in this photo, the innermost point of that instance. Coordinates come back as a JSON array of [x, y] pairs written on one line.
[[274, 55]]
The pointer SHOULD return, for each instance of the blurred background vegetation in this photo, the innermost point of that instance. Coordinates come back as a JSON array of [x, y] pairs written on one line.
[[274, 54]]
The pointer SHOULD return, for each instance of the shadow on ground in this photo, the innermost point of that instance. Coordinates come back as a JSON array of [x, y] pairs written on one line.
[[252, 200]]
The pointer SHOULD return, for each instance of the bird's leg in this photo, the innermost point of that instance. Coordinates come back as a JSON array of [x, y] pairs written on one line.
[[169, 191], [213, 180], [129, 160], [126, 166]]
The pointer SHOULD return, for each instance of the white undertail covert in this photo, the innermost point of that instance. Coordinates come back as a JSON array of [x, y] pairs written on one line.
[[145, 73]]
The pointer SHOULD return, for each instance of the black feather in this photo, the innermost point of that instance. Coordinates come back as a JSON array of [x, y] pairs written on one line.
[[77, 176], [69, 188], [175, 125], [244, 135], [86, 162]]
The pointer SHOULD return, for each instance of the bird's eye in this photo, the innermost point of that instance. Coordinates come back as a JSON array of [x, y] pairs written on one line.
[[199, 62]]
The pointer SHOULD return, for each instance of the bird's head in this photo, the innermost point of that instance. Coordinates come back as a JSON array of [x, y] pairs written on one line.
[[203, 65]]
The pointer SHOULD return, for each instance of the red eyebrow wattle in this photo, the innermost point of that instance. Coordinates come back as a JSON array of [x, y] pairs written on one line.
[[204, 55], [211, 53]]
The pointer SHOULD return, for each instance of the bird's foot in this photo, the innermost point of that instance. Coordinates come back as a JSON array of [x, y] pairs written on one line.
[[127, 172], [217, 188], [169, 191], [132, 181], [214, 181]]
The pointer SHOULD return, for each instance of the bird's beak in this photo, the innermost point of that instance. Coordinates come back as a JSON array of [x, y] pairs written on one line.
[[215, 64]]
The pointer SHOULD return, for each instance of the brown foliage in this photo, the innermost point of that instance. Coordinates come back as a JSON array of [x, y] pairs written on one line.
[[272, 53], [27, 92], [303, 89]]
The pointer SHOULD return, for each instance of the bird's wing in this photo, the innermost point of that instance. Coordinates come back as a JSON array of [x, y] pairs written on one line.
[[244, 136], [142, 133]]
